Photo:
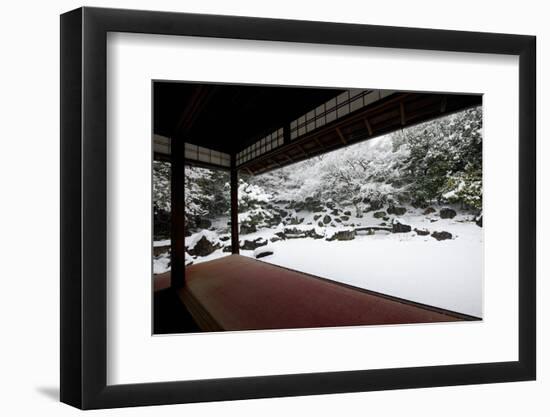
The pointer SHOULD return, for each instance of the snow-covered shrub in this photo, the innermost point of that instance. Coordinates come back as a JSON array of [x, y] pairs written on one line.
[[443, 154], [206, 195], [465, 188]]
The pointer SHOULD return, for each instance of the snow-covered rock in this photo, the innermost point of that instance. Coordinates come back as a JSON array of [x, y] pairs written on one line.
[[398, 227], [442, 235], [253, 244], [340, 234], [161, 263], [479, 220], [399, 211], [447, 213], [421, 232], [203, 243], [263, 251]]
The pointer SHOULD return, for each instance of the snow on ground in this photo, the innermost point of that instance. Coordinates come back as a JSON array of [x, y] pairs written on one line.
[[161, 263], [446, 274]]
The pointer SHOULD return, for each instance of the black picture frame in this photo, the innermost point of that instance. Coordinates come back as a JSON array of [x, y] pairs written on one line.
[[84, 206]]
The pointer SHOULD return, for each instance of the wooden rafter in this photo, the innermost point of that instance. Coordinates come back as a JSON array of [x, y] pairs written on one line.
[[302, 149], [412, 108], [341, 136], [318, 142], [368, 125]]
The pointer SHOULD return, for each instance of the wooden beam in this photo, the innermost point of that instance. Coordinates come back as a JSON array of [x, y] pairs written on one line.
[[177, 223], [318, 142], [367, 115], [342, 138], [199, 98], [302, 149], [368, 125], [234, 184]]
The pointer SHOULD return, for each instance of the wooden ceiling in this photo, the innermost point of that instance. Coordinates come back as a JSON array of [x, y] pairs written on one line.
[[230, 117], [392, 113], [227, 117]]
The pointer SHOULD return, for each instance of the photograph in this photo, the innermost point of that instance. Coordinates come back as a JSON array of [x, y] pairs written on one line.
[[292, 207]]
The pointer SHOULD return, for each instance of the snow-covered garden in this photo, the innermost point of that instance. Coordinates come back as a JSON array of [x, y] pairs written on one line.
[[399, 214]]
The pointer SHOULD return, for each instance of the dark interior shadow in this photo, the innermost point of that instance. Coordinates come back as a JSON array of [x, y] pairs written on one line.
[[50, 392], [170, 315]]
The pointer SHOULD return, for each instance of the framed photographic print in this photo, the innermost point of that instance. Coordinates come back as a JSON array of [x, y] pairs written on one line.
[[258, 208]]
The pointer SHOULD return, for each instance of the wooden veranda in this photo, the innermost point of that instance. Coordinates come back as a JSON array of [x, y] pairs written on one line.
[[256, 129]]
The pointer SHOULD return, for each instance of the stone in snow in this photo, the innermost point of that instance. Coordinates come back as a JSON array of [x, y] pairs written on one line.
[[342, 235], [398, 227], [442, 235], [253, 244], [479, 221], [447, 213], [398, 211], [263, 251], [203, 247], [247, 228]]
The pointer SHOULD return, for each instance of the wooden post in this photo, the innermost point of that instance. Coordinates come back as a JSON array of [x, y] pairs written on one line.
[[234, 183], [286, 133], [177, 230]]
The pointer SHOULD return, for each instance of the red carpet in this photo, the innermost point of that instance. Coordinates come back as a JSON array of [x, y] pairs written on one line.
[[240, 293]]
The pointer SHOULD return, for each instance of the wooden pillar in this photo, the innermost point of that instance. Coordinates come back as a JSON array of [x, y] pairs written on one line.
[[234, 183], [286, 133], [177, 230]]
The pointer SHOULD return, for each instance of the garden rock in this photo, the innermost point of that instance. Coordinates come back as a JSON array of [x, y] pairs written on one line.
[[479, 221], [253, 244], [247, 228], [398, 211], [447, 213], [342, 235], [263, 252], [442, 235], [398, 227], [203, 247]]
